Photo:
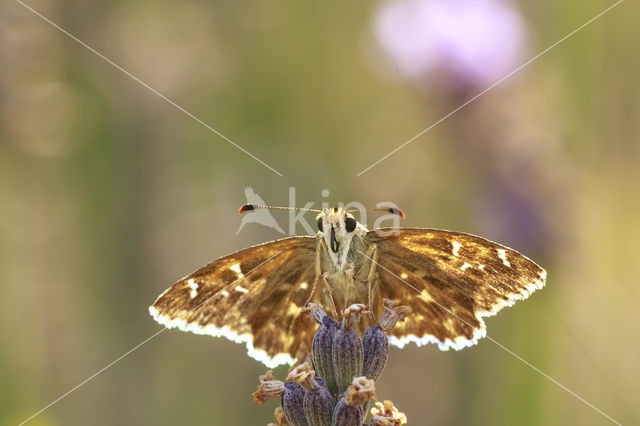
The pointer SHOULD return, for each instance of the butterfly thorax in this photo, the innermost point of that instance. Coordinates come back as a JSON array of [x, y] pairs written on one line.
[[343, 244]]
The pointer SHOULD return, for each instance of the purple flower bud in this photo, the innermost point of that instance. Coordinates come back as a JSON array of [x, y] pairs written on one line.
[[347, 415], [323, 352], [347, 348], [318, 404], [375, 344], [352, 406], [292, 404]]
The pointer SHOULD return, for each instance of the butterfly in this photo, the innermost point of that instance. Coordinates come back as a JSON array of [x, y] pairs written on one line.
[[257, 296]]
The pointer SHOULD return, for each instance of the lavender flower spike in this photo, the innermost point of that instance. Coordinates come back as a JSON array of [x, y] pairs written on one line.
[[347, 347], [318, 403], [322, 347], [375, 341], [293, 404], [350, 409]]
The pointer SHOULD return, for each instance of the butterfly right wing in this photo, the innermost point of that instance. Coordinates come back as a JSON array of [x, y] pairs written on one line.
[[254, 296], [450, 280]]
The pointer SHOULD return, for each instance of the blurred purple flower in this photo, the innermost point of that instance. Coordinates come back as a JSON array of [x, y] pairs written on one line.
[[475, 42]]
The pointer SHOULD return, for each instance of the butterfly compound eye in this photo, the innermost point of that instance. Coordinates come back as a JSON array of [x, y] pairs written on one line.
[[320, 225], [350, 224]]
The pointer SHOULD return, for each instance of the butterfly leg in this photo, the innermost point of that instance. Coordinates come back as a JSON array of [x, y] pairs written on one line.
[[350, 291], [319, 274], [372, 254], [319, 248], [330, 292]]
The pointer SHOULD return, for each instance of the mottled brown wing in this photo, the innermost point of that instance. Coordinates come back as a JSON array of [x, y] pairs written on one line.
[[253, 296], [450, 280]]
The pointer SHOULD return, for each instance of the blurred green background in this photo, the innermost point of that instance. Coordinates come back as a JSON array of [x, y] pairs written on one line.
[[108, 194]]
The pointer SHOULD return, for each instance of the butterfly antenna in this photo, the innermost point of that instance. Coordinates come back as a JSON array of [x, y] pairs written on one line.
[[249, 207], [392, 210]]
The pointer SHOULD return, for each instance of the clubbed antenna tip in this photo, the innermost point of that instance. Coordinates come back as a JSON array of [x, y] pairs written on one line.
[[246, 208]]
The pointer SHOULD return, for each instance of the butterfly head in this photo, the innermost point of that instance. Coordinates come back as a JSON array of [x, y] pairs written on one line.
[[337, 227]]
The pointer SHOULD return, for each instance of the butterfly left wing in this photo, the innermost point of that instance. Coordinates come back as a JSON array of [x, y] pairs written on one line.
[[253, 296], [450, 280]]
